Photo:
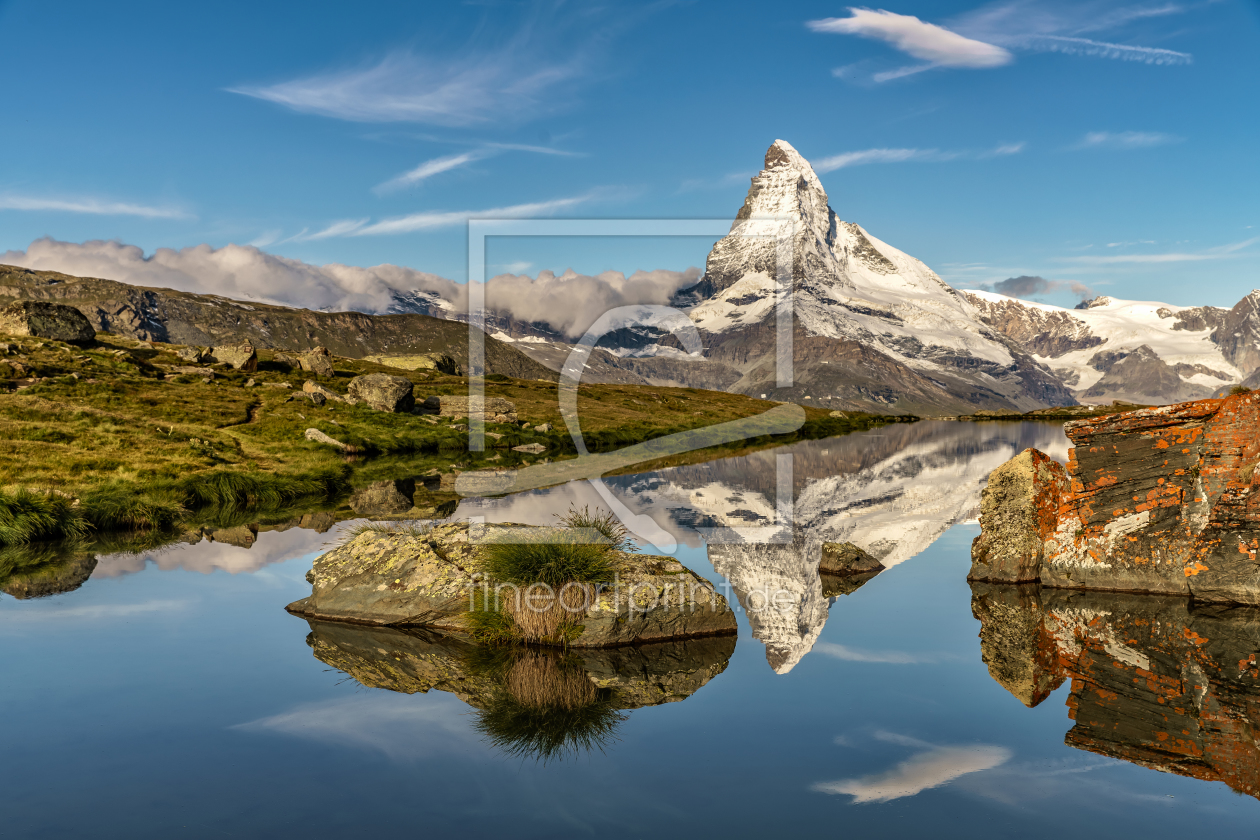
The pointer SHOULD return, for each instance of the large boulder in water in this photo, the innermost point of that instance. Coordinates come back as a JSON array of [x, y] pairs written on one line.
[[42, 319], [407, 579], [382, 392], [1157, 500]]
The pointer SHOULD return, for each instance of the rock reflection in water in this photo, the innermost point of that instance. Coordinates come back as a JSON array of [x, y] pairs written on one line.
[[37, 571], [1157, 681], [542, 704]]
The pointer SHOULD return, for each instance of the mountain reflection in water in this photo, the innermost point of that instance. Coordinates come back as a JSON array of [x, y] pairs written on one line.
[[528, 702], [1157, 681], [892, 492]]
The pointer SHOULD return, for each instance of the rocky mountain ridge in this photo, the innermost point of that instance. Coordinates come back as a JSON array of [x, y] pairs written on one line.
[[166, 315], [1136, 351]]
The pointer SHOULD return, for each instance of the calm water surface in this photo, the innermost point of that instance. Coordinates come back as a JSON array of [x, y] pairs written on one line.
[[170, 695]]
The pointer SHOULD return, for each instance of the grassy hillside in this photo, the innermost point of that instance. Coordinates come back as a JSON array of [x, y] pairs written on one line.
[[112, 438]]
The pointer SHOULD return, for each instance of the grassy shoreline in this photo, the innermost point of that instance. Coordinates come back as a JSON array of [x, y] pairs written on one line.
[[116, 439]]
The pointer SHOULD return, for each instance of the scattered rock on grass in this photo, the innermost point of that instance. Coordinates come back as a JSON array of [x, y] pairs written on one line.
[[239, 356], [311, 387], [319, 437], [382, 392]]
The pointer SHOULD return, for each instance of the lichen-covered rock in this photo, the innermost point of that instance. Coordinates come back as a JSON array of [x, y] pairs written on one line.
[[317, 361], [430, 581], [1155, 500], [1015, 643], [41, 319], [196, 355], [382, 392], [1164, 682], [241, 356], [1018, 514], [457, 406], [440, 362]]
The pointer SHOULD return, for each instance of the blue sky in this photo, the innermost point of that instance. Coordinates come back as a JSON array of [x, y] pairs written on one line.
[[1110, 145]]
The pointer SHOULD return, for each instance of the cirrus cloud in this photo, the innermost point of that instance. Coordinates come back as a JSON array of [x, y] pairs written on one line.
[[935, 45]]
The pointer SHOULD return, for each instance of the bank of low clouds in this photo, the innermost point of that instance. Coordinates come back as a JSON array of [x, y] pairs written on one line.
[[567, 302]]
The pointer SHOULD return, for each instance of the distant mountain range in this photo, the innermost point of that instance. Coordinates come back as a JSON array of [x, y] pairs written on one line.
[[876, 329], [1143, 352], [872, 327]]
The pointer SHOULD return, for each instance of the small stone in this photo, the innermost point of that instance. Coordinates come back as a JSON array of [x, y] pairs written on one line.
[[313, 388], [319, 437], [531, 448], [544, 427], [250, 383]]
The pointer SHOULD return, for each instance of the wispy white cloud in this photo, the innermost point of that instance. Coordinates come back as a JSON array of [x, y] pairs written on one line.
[[1125, 140], [1061, 26], [933, 767], [491, 80], [394, 725], [343, 227], [934, 45], [446, 163], [431, 221], [1102, 49], [869, 156], [92, 206], [429, 168], [891, 657], [95, 612], [1219, 253]]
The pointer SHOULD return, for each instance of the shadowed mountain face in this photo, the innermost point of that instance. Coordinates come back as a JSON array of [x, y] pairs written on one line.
[[1158, 681]]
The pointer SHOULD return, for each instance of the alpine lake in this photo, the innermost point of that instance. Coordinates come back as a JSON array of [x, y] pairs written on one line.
[[167, 693]]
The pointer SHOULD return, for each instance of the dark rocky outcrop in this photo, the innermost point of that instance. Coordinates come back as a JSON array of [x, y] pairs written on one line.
[[1156, 500], [403, 579], [41, 319], [1162, 682], [382, 392]]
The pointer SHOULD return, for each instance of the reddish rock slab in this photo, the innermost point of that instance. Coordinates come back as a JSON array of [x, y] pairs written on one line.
[[1157, 500]]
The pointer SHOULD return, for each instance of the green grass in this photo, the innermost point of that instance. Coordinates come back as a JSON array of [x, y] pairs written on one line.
[[555, 558], [141, 453], [27, 516]]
